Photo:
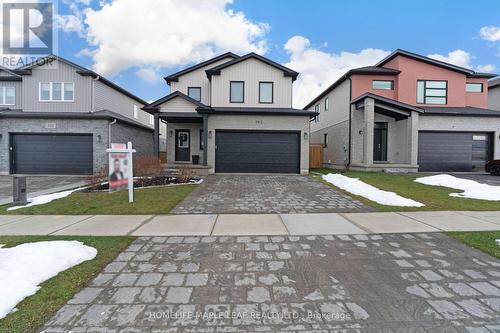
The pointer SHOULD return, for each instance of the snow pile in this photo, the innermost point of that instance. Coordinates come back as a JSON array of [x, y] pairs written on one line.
[[43, 199], [24, 267], [471, 189], [357, 187]]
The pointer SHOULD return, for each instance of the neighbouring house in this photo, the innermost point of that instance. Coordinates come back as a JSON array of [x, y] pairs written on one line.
[[57, 117], [407, 113], [233, 114], [494, 94]]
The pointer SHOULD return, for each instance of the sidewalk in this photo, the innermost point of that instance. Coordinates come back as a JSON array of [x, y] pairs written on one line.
[[242, 225]]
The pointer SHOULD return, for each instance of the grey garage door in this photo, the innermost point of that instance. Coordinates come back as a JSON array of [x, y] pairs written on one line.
[[51, 154], [453, 151], [257, 152]]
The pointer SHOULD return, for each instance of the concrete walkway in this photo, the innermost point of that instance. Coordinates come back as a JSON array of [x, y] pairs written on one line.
[[249, 225]]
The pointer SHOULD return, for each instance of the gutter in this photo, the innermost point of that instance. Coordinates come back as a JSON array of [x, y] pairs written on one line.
[[109, 131]]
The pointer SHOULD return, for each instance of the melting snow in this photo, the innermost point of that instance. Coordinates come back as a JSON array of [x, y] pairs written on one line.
[[471, 189], [43, 199]]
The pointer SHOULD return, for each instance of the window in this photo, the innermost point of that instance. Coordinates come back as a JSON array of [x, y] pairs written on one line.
[[136, 112], [327, 104], [201, 139], [57, 92], [151, 119], [383, 84], [316, 109], [266, 92], [195, 93], [432, 92], [325, 140], [474, 87], [7, 96], [237, 92]]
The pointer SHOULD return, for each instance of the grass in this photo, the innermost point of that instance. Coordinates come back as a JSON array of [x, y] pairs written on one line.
[[434, 197], [157, 200], [481, 240], [37, 309]]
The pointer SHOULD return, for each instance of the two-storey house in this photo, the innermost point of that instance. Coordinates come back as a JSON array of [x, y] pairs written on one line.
[[233, 114], [57, 117], [407, 113]]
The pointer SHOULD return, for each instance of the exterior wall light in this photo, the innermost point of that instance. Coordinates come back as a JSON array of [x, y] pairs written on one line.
[[360, 132], [99, 138], [305, 135], [210, 134], [170, 133]]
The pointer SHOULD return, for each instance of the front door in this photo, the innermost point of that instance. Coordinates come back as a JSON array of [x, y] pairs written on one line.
[[380, 142], [182, 146]]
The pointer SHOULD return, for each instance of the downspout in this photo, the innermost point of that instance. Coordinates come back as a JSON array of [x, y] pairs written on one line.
[[350, 124], [93, 92], [109, 131]]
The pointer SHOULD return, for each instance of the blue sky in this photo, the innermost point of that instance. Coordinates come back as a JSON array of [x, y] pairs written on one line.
[[326, 29]]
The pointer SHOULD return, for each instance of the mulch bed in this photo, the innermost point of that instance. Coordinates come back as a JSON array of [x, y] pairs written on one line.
[[147, 182]]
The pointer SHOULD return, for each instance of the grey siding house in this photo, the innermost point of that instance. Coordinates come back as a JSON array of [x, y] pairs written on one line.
[[233, 114], [57, 117]]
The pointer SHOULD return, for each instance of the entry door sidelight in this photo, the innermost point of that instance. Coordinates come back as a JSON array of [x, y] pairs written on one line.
[[380, 142], [182, 146]]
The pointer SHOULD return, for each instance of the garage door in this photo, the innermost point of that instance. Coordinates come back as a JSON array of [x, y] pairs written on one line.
[[51, 154], [453, 151], [257, 152]]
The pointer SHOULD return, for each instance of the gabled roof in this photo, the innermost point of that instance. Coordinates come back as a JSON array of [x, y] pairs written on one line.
[[154, 106], [26, 70], [286, 71], [463, 70], [374, 70], [494, 82], [175, 77], [13, 76], [387, 101]]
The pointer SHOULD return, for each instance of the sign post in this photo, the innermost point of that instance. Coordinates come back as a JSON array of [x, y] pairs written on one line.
[[121, 171]]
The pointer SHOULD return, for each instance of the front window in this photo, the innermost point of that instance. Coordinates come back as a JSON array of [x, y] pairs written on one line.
[[474, 87], [195, 93], [383, 84], [57, 92], [316, 109], [265, 92], [327, 104], [237, 92], [432, 92], [325, 140], [7, 96]]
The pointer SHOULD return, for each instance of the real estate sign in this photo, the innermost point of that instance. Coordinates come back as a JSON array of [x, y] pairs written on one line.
[[121, 168]]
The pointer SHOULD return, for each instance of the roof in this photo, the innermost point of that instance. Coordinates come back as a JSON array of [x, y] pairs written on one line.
[[494, 82], [155, 105], [259, 111], [175, 77], [461, 111], [26, 70], [388, 101], [13, 75], [102, 114], [374, 70], [400, 52], [286, 71]]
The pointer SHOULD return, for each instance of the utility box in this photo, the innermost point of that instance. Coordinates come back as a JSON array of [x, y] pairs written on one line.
[[19, 193]]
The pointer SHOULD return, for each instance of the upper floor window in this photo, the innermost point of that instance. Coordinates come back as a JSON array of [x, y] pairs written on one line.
[[317, 110], [237, 92], [474, 87], [151, 119], [7, 96], [195, 93], [327, 104], [432, 92], [383, 84], [57, 92], [266, 92], [136, 112]]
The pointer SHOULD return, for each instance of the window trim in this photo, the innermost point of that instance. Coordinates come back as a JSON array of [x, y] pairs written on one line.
[[272, 92], [391, 82], [3, 96], [327, 104], [474, 92], [230, 95], [51, 100], [199, 88], [425, 95]]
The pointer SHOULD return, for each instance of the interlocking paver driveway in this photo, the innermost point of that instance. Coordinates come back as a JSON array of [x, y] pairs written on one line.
[[360, 283], [240, 194]]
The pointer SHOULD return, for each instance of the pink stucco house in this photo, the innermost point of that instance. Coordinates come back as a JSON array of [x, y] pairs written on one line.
[[407, 113]]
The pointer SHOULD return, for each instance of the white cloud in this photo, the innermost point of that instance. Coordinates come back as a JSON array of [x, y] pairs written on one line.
[[463, 59], [490, 33], [148, 74], [486, 68], [319, 69], [165, 33]]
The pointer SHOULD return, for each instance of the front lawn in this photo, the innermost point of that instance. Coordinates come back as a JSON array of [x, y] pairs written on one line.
[[156, 200], [434, 197], [37, 309], [481, 240]]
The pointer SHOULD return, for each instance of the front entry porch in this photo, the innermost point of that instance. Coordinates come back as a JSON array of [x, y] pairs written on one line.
[[384, 135]]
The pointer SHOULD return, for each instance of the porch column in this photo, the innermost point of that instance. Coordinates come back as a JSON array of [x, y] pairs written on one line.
[[412, 132], [156, 138], [205, 139], [369, 121]]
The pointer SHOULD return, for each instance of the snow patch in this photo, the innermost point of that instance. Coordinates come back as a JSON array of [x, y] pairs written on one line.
[[357, 187], [43, 199], [471, 189], [24, 267]]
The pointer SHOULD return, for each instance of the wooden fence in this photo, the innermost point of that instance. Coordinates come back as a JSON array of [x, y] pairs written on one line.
[[315, 156]]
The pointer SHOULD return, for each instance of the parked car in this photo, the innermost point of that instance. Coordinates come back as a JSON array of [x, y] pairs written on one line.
[[493, 167]]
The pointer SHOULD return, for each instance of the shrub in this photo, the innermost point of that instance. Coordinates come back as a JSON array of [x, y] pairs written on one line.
[[98, 177], [147, 166], [185, 173]]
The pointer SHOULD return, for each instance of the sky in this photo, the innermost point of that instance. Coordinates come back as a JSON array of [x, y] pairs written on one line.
[[135, 43]]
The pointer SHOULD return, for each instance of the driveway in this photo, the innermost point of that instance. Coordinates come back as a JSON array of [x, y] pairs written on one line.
[[480, 178], [38, 185], [260, 194], [360, 283]]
